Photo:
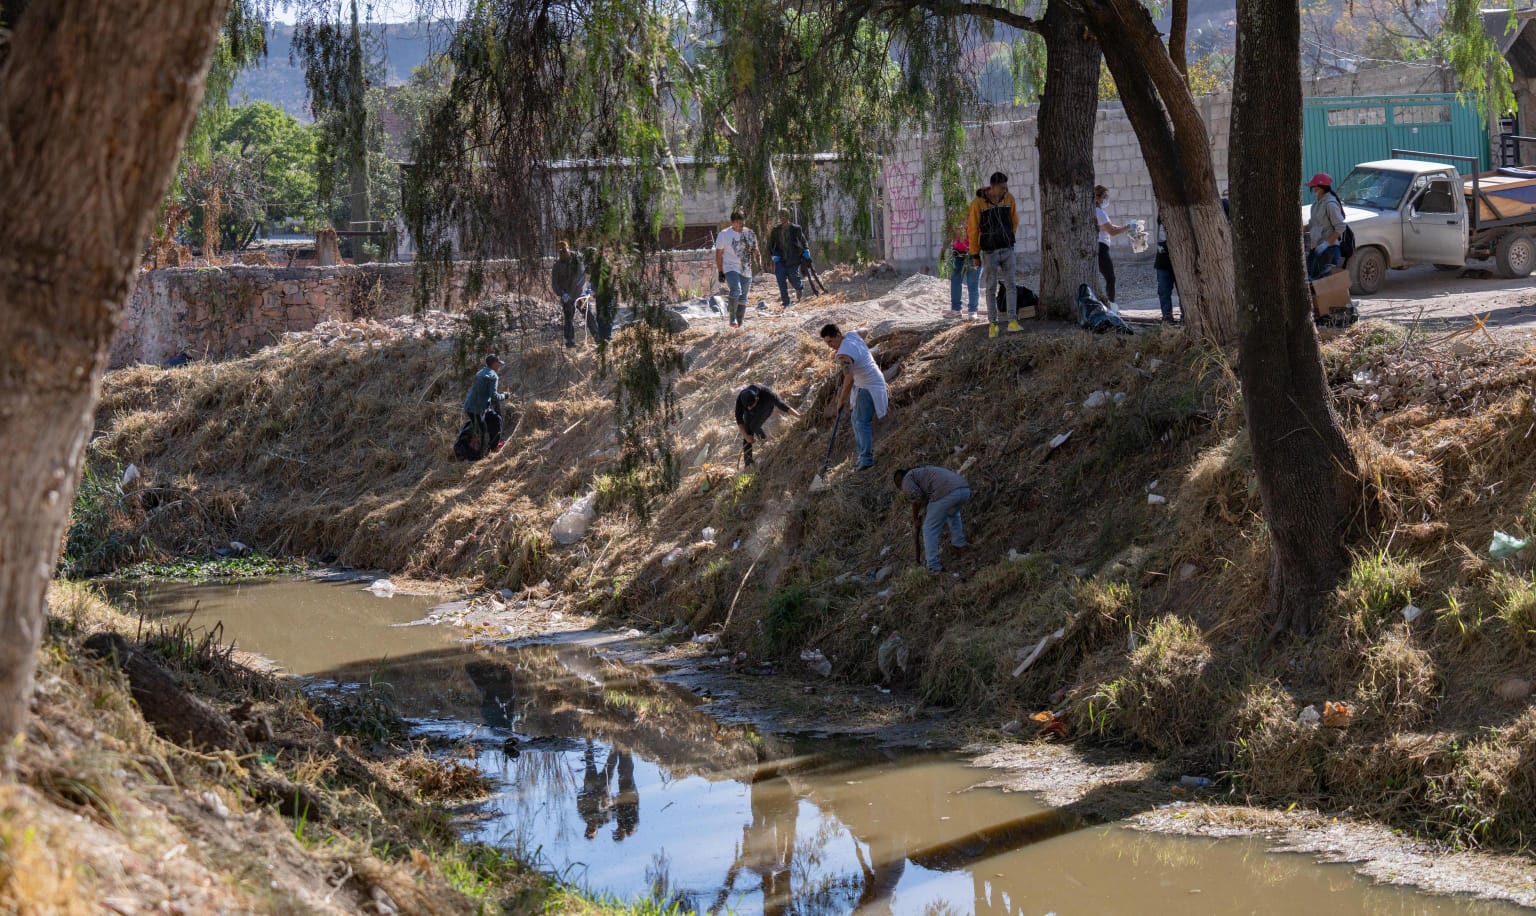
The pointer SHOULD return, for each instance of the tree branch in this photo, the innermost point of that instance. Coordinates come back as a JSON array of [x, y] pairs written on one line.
[[994, 13]]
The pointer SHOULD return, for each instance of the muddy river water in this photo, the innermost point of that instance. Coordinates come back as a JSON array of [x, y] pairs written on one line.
[[623, 783]]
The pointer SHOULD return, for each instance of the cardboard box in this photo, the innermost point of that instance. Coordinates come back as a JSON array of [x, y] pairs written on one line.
[[1330, 293]]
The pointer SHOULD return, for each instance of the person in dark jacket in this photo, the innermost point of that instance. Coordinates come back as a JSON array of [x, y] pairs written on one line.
[[605, 295], [754, 405], [569, 279], [481, 401], [788, 247], [992, 227]]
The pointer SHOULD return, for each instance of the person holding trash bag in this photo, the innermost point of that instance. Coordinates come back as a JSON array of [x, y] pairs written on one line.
[[940, 492], [1107, 232], [480, 405], [754, 405]]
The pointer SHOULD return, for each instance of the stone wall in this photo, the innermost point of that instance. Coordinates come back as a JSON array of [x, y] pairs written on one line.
[[914, 214], [209, 313]]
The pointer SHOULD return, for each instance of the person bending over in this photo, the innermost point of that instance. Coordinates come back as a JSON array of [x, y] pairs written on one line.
[[754, 405]]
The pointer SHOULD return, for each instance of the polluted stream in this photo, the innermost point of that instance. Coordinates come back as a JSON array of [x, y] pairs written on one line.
[[622, 783]]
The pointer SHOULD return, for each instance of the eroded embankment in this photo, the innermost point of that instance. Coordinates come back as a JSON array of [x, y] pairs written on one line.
[[341, 452]]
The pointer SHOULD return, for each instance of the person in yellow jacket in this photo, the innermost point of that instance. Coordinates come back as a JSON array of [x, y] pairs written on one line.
[[991, 227]]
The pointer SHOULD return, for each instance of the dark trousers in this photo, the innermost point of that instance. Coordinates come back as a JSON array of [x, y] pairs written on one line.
[[568, 311], [1318, 262], [600, 316], [787, 274], [746, 447], [1107, 268]]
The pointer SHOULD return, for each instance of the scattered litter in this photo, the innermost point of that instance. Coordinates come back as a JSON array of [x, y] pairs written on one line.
[[705, 639], [885, 550], [1050, 724], [1014, 556], [130, 474], [1156, 499], [1059, 440], [736, 545], [632, 633], [215, 805], [1513, 689], [885, 593], [1504, 546], [816, 662], [1119, 397], [1337, 715], [892, 656], [546, 604], [384, 903], [556, 617], [1154, 365], [672, 556], [382, 587], [239, 549], [572, 524], [507, 594], [883, 573], [1039, 648], [966, 464], [1188, 571], [1309, 716], [1194, 782], [709, 535], [1152, 486], [1011, 726], [1411, 612], [1097, 399]]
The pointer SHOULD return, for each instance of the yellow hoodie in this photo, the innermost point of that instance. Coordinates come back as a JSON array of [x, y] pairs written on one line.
[[1004, 212]]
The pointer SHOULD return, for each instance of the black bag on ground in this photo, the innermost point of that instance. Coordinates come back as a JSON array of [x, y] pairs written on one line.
[[1095, 315], [1026, 296]]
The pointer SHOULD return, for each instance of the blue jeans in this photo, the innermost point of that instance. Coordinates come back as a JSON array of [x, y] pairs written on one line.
[[1165, 287], [864, 426], [787, 275], [739, 285], [962, 272], [940, 511], [1320, 261]]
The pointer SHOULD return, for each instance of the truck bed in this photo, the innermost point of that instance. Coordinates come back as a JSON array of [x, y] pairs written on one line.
[[1507, 193]]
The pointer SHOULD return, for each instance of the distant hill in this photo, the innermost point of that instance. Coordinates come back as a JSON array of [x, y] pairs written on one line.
[[280, 80]]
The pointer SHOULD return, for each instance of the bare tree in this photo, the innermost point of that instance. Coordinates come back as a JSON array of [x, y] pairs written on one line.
[[95, 100]]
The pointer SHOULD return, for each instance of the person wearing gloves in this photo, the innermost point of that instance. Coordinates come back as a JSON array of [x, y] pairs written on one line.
[[937, 495], [735, 254], [991, 228], [569, 279], [788, 247], [480, 404], [1325, 226], [754, 405], [863, 389], [1107, 232]]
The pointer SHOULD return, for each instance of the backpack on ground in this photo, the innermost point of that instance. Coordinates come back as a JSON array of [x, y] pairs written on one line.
[[475, 440], [1095, 316]]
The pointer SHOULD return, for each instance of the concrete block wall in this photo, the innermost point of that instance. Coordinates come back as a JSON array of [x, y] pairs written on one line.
[[914, 214], [219, 312]]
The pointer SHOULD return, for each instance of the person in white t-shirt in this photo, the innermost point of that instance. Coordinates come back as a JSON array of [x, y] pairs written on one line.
[[735, 255], [1107, 231], [863, 389]]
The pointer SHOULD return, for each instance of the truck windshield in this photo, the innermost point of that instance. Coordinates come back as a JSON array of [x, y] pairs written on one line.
[[1379, 189]]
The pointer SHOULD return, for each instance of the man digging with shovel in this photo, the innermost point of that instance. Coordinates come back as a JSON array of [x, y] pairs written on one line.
[[943, 492], [754, 405], [863, 390]]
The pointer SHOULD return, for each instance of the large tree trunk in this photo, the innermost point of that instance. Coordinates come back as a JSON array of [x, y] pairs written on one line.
[[1178, 40], [95, 100], [1068, 113], [1177, 152], [1305, 468]]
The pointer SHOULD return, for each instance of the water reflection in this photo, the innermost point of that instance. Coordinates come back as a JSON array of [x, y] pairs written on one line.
[[624, 783]]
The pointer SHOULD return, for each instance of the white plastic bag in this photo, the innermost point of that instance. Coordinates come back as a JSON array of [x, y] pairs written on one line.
[[572, 524]]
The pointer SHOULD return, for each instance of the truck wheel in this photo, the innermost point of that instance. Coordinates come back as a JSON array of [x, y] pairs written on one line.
[[1515, 256], [1367, 268]]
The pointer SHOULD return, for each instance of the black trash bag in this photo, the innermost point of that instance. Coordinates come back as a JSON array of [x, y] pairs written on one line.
[[1095, 315], [477, 439]]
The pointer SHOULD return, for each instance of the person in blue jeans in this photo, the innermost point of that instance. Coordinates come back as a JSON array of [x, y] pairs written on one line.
[[941, 492], [736, 254], [863, 389], [962, 273], [789, 249]]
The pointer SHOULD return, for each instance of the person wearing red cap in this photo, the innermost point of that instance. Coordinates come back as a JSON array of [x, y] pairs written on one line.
[[1325, 227]]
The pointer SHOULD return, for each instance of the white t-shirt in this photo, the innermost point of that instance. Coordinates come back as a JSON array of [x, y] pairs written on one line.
[[737, 248], [866, 372], [1099, 219]]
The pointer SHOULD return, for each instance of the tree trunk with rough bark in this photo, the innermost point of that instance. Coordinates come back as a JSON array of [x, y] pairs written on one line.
[[95, 100], [1178, 40], [1177, 151], [1306, 471], [1068, 113]]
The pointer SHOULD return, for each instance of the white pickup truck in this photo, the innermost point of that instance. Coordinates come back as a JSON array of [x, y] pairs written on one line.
[[1405, 211]]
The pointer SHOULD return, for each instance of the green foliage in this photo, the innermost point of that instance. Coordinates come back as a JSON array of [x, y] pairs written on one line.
[[789, 616], [187, 569], [99, 536]]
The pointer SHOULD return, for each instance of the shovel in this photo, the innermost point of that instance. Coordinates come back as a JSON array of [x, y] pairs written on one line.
[[819, 482]]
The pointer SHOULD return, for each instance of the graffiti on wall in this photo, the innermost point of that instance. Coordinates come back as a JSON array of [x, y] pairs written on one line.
[[903, 193]]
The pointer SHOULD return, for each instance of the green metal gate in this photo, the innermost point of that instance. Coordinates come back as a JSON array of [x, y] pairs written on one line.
[[1339, 133]]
